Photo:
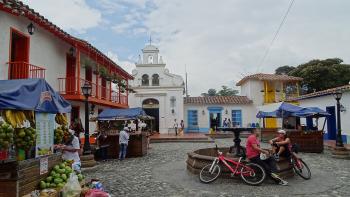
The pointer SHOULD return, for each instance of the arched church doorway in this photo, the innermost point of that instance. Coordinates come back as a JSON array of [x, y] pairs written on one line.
[[151, 107]]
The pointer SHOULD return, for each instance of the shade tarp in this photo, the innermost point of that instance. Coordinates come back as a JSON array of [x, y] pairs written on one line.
[[115, 114], [262, 114], [31, 94], [286, 109], [311, 111]]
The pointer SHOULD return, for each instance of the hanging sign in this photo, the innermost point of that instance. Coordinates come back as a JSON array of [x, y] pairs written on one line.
[[44, 165], [45, 124]]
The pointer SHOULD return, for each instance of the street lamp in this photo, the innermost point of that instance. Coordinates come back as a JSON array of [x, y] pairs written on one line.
[[31, 28], [339, 141], [86, 89]]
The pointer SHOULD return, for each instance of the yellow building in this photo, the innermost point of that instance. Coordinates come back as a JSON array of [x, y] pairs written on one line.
[[265, 89]]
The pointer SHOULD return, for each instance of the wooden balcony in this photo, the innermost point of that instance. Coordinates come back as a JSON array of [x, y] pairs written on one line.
[[24, 70], [70, 89]]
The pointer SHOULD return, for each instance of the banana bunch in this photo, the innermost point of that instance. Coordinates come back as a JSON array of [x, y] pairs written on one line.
[[30, 117], [14, 118], [61, 119]]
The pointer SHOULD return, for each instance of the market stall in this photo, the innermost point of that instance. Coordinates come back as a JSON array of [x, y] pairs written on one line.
[[111, 121], [308, 137], [31, 112]]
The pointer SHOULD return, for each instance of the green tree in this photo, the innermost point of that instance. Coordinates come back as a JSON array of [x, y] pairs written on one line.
[[226, 91], [284, 70], [322, 74]]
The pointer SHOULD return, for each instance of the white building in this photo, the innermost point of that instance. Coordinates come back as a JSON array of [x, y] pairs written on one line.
[[64, 61], [326, 101], [257, 90], [158, 92], [201, 113]]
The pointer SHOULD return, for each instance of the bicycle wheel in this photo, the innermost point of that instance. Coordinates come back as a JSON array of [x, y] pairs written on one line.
[[300, 167], [253, 174], [207, 177]]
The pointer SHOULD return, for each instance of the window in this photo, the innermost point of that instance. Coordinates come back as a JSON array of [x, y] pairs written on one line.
[[237, 118], [145, 80], [192, 117], [155, 80], [150, 59]]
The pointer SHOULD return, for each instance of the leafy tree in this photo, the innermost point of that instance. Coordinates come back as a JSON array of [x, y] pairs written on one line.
[[322, 74], [284, 70], [226, 91], [211, 92]]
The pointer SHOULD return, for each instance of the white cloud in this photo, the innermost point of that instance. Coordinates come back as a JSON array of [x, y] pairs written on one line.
[[220, 41], [71, 15], [126, 65]]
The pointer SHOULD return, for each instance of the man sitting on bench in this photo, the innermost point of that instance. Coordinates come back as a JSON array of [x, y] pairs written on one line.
[[281, 145]]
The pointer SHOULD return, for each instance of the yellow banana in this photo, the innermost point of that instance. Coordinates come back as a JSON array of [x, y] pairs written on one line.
[[11, 118]]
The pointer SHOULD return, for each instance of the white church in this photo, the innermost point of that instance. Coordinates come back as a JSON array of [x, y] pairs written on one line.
[[157, 91]]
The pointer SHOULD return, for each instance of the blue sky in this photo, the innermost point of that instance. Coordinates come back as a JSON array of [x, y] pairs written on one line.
[[219, 41]]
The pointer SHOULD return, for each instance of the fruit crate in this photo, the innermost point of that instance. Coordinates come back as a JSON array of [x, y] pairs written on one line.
[[24, 176]]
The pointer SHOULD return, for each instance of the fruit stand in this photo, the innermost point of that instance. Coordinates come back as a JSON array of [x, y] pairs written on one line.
[[29, 108], [111, 121], [308, 138]]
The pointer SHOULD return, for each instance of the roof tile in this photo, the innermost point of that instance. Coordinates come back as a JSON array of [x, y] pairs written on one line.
[[217, 100], [269, 77], [321, 93]]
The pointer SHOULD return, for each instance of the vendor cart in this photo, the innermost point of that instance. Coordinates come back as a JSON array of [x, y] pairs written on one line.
[[28, 108], [309, 138], [111, 121]]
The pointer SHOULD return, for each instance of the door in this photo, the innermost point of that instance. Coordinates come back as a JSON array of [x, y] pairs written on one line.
[[71, 81], [19, 55], [103, 90], [151, 107], [331, 123], [192, 120]]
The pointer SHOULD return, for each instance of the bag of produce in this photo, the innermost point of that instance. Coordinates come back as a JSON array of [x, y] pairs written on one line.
[[72, 187]]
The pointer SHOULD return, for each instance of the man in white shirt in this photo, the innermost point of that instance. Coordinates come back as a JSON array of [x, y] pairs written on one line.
[[123, 142], [71, 150], [176, 126]]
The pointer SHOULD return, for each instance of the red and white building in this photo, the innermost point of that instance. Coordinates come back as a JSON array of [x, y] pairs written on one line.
[[64, 61]]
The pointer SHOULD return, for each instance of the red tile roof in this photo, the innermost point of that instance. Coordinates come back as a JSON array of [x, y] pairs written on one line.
[[217, 100], [321, 93], [18, 8], [269, 77]]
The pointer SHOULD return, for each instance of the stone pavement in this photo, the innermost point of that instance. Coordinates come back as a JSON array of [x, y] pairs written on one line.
[[163, 173]]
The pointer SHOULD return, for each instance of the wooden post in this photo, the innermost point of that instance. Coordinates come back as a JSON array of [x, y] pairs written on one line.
[[78, 65]]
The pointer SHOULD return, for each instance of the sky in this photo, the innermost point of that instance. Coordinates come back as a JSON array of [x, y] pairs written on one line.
[[218, 42]]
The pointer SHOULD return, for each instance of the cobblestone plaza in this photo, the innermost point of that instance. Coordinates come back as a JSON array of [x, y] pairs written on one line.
[[163, 173]]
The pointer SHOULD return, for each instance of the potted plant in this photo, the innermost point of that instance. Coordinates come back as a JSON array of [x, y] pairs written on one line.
[[103, 72], [95, 70]]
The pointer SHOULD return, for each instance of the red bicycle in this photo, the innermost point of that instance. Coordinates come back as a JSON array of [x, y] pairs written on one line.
[[251, 173], [299, 166]]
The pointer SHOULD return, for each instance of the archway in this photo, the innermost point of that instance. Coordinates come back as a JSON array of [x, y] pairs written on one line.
[[151, 107]]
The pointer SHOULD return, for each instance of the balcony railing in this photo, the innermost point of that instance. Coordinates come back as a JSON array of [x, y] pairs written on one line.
[[69, 86], [24, 70]]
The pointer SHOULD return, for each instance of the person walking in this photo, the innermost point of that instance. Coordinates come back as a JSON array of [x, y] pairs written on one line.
[[229, 123], [182, 125], [176, 126], [123, 142], [224, 124]]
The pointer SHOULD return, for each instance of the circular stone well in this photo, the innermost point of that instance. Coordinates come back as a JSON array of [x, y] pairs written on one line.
[[197, 159]]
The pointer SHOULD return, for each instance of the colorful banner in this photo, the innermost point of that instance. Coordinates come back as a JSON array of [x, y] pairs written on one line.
[[45, 125]]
